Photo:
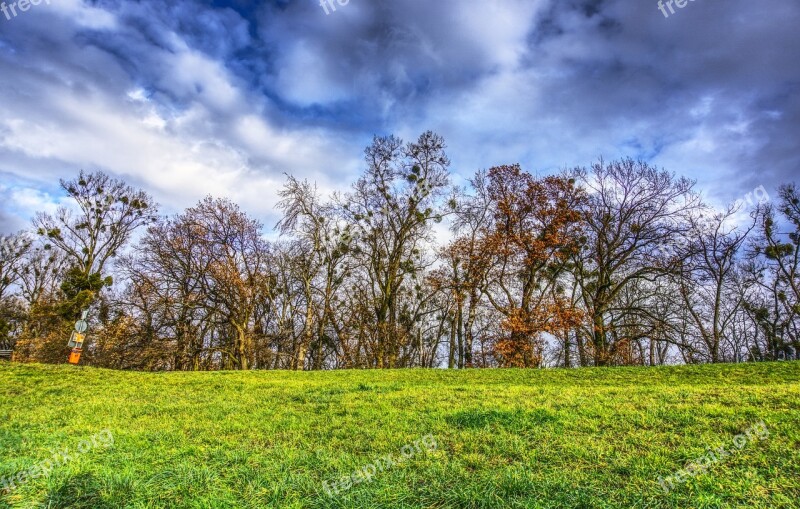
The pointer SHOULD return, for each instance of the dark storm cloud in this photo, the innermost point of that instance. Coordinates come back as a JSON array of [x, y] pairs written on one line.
[[188, 98], [719, 75]]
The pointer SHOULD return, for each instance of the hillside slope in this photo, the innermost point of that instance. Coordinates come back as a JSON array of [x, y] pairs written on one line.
[[482, 439]]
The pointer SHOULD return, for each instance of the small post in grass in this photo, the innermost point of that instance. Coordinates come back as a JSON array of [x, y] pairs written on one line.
[[77, 338]]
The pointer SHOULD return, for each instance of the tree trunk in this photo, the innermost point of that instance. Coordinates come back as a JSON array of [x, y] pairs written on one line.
[[600, 340], [451, 357]]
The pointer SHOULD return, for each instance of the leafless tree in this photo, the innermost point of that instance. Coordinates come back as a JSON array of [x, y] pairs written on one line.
[[634, 211]]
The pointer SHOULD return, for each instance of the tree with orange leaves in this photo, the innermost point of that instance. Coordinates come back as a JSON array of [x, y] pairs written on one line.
[[533, 231]]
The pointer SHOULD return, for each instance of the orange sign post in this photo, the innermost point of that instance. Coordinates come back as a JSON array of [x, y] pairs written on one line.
[[75, 355], [76, 342], [77, 339]]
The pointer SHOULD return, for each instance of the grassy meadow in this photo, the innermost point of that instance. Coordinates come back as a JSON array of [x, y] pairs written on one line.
[[503, 438]]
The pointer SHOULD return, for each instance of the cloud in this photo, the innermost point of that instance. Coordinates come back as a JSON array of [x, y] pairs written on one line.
[[160, 113], [188, 98]]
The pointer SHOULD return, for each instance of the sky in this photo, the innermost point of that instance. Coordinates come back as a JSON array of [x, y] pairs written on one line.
[[186, 99]]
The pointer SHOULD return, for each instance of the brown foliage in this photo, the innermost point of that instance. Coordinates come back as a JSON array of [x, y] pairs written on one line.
[[532, 234]]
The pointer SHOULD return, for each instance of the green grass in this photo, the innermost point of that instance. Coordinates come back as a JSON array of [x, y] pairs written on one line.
[[506, 438]]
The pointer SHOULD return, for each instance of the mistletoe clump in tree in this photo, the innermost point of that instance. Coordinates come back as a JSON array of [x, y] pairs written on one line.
[[105, 214]]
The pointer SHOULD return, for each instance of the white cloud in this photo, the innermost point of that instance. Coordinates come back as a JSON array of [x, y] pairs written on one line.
[[186, 100], [214, 142]]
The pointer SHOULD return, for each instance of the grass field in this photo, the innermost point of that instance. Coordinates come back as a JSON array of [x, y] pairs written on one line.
[[510, 438]]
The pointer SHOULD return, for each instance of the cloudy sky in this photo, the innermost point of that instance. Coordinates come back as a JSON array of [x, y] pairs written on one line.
[[186, 98]]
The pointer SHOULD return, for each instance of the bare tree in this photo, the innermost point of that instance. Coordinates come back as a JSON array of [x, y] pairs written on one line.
[[392, 208], [13, 252], [707, 276], [321, 267], [238, 279], [466, 265], [633, 210]]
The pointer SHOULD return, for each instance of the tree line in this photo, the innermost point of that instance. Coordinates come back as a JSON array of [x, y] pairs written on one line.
[[618, 263]]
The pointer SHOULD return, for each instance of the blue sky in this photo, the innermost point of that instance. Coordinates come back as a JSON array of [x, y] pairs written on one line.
[[188, 98]]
